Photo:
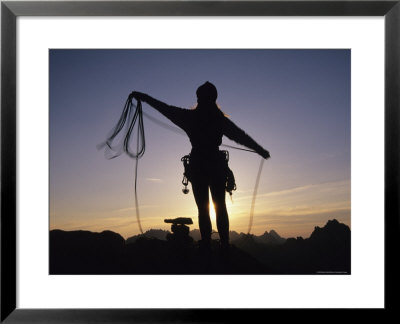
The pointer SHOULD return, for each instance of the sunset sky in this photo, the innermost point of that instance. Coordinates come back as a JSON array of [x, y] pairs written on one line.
[[294, 103]]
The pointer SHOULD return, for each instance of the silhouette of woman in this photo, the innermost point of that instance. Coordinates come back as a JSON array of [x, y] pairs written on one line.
[[205, 127]]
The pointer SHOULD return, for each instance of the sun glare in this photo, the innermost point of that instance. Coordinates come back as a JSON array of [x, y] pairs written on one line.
[[212, 211]]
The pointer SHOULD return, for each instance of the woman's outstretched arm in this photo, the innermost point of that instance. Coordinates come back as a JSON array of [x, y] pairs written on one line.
[[175, 114], [236, 134]]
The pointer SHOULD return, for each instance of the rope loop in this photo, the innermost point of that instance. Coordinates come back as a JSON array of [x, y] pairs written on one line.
[[131, 116]]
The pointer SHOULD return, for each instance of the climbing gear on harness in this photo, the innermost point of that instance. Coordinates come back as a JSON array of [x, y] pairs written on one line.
[[186, 173], [230, 178], [230, 184]]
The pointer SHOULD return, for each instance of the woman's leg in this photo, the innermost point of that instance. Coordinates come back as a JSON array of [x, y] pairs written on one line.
[[200, 192], [217, 189]]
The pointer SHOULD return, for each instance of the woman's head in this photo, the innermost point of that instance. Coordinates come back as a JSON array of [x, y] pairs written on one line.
[[207, 93]]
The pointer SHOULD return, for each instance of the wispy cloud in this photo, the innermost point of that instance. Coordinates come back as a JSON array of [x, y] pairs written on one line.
[[155, 180], [334, 185], [130, 209], [323, 186], [295, 210], [291, 211]]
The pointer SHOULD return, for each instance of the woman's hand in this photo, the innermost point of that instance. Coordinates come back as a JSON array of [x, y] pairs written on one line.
[[137, 95], [265, 154]]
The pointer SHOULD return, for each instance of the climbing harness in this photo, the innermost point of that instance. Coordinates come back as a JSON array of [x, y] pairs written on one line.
[[230, 184], [125, 127]]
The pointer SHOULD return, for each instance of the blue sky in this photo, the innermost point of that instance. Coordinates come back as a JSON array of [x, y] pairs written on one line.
[[295, 103]]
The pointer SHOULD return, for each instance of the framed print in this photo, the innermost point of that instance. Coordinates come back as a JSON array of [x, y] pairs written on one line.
[[306, 96]]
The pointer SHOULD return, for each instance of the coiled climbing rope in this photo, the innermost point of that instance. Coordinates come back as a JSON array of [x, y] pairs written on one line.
[[129, 119]]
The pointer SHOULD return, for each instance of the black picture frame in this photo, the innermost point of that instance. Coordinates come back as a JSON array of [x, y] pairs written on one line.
[[10, 10]]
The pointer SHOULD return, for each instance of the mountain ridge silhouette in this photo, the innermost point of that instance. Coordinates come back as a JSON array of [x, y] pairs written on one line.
[[327, 250], [270, 238]]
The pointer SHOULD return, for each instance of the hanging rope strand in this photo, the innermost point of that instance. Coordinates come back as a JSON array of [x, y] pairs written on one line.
[[253, 202], [129, 119], [140, 132]]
